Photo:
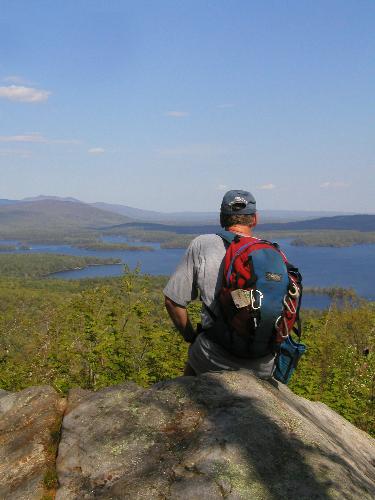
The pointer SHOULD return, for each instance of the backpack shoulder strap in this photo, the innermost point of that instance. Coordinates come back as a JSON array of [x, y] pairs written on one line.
[[227, 236]]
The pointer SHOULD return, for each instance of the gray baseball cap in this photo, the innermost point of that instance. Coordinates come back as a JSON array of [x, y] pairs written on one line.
[[238, 202]]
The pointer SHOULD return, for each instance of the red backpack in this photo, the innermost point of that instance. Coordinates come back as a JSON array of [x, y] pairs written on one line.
[[260, 297]]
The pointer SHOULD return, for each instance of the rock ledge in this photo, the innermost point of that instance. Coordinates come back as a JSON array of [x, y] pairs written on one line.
[[225, 435]]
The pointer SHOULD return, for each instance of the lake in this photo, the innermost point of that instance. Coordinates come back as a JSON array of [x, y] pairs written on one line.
[[351, 267]]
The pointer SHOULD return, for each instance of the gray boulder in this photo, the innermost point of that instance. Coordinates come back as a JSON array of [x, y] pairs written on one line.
[[30, 422], [225, 435]]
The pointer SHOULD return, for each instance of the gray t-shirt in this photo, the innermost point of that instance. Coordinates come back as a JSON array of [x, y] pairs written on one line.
[[201, 271]]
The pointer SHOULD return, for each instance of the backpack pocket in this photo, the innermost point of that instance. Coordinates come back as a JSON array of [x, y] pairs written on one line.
[[287, 359]]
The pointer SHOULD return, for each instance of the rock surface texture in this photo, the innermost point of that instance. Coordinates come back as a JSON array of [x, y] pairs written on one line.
[[30, 423], [216, 436]]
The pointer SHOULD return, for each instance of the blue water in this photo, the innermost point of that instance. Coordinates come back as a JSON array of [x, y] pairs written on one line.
[[351, 267]]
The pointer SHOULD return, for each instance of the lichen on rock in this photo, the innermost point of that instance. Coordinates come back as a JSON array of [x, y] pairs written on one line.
[[224, 435]]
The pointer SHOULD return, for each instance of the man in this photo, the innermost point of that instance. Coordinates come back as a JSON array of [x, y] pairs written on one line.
[[200, 274]]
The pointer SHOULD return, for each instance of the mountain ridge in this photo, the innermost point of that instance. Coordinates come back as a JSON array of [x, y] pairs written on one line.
[[362, 222], [46, 219], [51, 214], [201, 217]]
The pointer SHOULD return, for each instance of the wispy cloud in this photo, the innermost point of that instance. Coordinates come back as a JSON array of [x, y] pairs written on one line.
[[334, 185], [267, 187], [96, 151], [36, 137], [222, 187], [177, 114], [21, 93]]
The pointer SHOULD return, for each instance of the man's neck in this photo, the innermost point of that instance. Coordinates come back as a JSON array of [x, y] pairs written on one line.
[[240, 229]]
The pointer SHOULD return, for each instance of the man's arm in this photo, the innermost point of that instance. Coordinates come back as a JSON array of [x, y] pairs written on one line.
[[180, 318]]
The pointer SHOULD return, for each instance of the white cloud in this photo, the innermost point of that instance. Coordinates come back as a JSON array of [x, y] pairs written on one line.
[[24, 94], [35, 137], [96, 151], [177, 114], [267, 187], [334, 185]]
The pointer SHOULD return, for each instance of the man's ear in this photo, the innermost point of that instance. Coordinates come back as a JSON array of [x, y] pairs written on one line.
[[255, 219]]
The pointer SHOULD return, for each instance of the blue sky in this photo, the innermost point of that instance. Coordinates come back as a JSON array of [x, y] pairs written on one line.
[[166, 104]]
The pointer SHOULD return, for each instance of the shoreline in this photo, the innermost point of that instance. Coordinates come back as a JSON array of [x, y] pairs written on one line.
[[82, 268]]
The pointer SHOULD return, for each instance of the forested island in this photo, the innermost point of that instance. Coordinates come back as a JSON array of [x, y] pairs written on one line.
[[178, 241], [334, 239], [337, 292], [12, 248], [39, 265], [7, 248], [102, 245]]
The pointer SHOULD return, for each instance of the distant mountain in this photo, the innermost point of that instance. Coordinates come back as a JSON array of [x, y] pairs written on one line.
[[364, 222], [28, 218], [179, 229], [207, 217], [75, 213], [344, 222], [134, 213], [268, 216], [43, 197], [162, 217]]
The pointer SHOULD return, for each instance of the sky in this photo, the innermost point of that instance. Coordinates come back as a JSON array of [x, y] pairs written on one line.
[[167, 104]]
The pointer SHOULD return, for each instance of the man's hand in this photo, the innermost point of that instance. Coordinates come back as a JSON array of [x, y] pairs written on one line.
[[181, 321]]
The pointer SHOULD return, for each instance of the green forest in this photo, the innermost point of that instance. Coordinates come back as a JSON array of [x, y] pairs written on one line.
[[102, 245], [38, 265], [95, 333]]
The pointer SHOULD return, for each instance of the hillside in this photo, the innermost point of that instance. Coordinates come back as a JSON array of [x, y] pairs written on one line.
[[114, 338], [360, 222], [150, 226], [134, 213], [52, 217], [42, 197]]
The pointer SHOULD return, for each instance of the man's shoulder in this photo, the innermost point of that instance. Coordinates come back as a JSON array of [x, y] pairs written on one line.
[[204, 240]]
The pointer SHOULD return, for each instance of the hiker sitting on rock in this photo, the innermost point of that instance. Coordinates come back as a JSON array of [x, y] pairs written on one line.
[[244, 313]]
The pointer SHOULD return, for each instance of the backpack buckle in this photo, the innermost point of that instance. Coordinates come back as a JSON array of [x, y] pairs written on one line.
[[293, 291], [281, 327], [256, 300], [289, 305]]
